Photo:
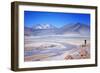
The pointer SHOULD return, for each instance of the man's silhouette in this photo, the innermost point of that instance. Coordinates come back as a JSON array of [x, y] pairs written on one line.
[[85, 42]]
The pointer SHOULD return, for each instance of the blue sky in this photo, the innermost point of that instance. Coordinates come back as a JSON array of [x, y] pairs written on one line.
[[57, 19]]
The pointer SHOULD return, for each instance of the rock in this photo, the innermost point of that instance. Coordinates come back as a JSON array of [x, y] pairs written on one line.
[[68, 57]]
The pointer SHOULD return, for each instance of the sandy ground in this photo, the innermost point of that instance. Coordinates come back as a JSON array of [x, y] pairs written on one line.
[[78, 53], [45, 49]]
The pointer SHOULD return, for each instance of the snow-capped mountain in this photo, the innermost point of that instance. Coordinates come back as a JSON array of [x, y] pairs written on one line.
[[43, 26], [76, 29]]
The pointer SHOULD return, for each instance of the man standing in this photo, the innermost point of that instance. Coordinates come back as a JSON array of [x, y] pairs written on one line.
[[85, 42]]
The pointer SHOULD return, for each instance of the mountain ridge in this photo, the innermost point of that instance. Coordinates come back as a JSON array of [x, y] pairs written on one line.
[[48, 29]]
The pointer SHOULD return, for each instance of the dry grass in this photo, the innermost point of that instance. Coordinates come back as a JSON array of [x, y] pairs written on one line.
[[35, 57]]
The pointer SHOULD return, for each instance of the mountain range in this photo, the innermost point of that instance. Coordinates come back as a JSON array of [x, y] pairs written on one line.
[[48, 29]]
